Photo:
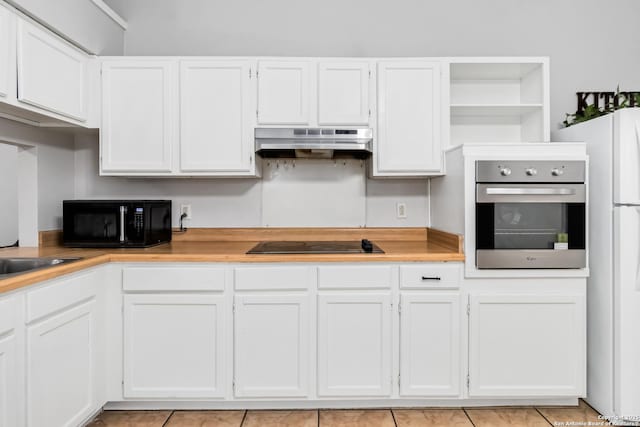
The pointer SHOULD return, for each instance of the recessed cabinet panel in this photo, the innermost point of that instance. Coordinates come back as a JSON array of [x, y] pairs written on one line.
[[343, 93], [60, 368], [408, 140], [173, 346], [271, 334], [354, 344], [527, 345], [283, 93], [430, 344], [139, 120], [216, 126], [51, 73], [7, 58]]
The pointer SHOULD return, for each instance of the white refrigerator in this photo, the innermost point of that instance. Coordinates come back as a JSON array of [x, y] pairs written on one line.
[[613, 289]]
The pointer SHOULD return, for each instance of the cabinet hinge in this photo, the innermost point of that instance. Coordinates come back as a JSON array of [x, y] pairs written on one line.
[[369, 112], [399, 308], [256, 114], [369, 73], [468, 381], [233, 308], [398, 380], [468, 308], [249, 72]]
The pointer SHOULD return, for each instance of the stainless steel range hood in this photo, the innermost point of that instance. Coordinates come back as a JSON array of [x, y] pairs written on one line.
[[313, 142]]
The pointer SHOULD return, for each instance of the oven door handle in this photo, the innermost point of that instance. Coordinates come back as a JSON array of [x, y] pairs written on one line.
[[498, 191], [540, 193]]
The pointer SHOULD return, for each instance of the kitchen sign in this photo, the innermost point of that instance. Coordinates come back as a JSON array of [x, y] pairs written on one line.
[[596, 104], [610, 100]]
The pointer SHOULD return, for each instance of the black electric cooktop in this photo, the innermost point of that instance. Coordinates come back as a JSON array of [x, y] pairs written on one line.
[[331, 247]]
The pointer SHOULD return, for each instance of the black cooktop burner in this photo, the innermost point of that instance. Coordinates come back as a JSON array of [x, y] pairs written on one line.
[[334, 247]]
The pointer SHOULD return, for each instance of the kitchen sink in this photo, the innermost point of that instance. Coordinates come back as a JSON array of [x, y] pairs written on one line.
[[13, 266]]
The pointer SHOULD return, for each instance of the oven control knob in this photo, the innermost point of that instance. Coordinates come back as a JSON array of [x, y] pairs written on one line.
[[531, 171], [505, 171], [556, 172]]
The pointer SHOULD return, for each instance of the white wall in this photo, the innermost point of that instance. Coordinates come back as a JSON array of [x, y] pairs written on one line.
[[78, 20], [592, 43], [8, 194], [55, 172], [261, 202]]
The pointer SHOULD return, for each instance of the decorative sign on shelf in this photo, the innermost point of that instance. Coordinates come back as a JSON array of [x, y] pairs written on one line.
[[596, 104]]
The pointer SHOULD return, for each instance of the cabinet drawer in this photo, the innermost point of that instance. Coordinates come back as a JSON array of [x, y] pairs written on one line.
[[427, 276], [270, 278], [200, 278], [59, 295], [356, 277]]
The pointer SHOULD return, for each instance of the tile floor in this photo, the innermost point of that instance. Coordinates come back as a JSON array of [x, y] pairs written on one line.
[[462, 417]]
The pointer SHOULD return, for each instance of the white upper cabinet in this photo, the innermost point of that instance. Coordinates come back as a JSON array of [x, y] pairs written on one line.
[[284, 93], [52, 74], [216, 117], [527, 345], [7, 53], [139, 115], [409, 127], [343, 93], [498, 100]]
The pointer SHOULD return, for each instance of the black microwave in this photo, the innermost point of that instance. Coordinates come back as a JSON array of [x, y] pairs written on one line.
[[115, 223]]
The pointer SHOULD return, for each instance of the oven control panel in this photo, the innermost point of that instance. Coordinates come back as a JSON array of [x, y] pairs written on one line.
[[530, 171]]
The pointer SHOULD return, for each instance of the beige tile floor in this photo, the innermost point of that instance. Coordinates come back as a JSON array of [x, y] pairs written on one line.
[[462, 417]]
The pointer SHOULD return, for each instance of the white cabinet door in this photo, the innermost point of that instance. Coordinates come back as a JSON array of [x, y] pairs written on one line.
[[61, 383], [408, 141], [52, 74], [527, 345], [7, 53], [343, 93], [9, 405], [430, 344], [174, 346], [284, 92], [354, 344], [11, 398], [216, 116], [139, 115], [271, 354]]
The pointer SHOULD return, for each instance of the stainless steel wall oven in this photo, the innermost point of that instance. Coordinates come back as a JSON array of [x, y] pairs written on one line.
[[530, 214]]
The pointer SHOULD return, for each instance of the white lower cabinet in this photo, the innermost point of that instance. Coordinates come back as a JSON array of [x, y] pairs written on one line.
[[61, 382], [354, 344], [527, 344], [11, 400], [430, 343], [271, 334], [174, 346]]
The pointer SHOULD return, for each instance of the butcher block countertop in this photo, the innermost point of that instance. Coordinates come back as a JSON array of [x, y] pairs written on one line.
[[231, 245]]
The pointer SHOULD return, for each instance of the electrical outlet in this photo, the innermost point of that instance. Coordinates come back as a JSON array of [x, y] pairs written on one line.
[[185, 209], [401, 210]]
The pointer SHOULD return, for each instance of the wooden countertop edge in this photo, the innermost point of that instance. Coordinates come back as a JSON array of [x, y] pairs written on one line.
[[443, 247], [27, 279]]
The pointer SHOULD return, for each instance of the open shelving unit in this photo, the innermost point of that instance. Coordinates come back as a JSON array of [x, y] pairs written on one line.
[[499, 100]]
